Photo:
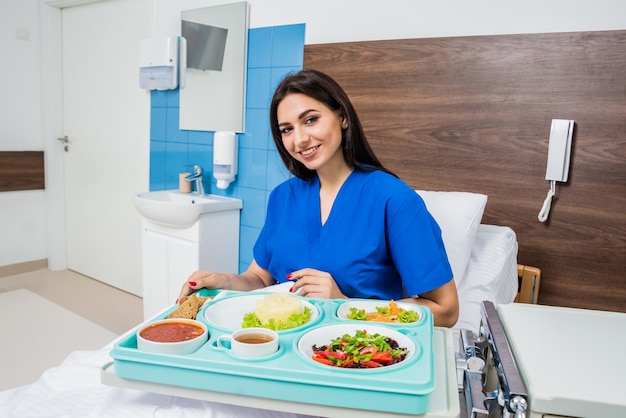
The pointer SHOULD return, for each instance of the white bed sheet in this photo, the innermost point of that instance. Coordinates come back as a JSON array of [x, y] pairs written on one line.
[[491, 275], [73, 389]]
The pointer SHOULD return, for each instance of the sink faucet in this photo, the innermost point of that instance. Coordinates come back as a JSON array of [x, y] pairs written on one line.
[[196, 177]]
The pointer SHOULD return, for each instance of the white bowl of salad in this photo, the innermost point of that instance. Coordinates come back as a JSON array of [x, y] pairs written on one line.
[[354, 346], [389, 312]]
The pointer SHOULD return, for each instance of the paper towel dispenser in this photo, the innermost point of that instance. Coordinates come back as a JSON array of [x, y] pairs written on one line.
[[162, 63]]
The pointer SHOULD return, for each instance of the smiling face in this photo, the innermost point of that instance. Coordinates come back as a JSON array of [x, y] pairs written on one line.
[[311, 132]]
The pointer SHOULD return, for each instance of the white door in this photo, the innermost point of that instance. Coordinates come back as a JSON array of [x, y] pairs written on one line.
[[106, 119]]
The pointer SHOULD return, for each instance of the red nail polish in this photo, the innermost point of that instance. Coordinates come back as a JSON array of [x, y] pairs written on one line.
[[192, 283], [290, 289], [289, 276], [176, 301]]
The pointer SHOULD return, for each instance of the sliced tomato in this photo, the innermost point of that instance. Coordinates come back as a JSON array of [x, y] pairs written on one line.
[[371, 364], [348, 362], [323, 360], [339, 355], [382, 357]]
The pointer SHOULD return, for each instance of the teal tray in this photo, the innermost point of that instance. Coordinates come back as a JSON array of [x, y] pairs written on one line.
[[288, 375]]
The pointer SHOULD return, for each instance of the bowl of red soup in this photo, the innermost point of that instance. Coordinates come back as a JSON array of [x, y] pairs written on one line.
[[172, 336]]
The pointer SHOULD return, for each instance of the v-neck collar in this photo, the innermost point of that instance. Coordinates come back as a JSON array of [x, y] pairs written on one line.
[[313, 202]]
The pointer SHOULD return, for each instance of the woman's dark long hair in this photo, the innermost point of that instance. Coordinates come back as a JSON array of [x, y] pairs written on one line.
[[321, 87]]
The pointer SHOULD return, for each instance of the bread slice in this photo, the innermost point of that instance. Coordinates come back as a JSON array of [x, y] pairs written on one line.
[[277, 306], [188, 307]]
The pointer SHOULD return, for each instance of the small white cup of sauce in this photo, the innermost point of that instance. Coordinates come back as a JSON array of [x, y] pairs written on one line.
[[249, 342]]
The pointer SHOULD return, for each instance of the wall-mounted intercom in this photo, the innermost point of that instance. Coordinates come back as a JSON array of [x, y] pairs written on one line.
[[559, 152], [559, 149]]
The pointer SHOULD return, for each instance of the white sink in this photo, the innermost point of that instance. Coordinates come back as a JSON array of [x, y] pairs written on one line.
[[180, 210]]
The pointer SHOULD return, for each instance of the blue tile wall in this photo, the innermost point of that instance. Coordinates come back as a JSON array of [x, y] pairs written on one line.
[[273, 52]]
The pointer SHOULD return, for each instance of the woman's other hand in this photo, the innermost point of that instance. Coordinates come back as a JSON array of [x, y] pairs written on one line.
[[201, 279], [315, 284]]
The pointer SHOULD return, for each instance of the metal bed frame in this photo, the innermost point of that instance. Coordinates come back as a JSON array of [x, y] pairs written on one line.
[[490, 384]]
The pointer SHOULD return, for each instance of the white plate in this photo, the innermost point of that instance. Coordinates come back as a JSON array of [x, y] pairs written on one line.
[[284, 287], [325, 334], [228, 313], [370, 306]]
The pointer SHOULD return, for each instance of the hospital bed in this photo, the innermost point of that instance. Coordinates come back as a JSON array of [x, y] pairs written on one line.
[[486, 254]]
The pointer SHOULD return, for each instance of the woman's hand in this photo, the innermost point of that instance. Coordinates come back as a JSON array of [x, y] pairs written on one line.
[[201, 279], [253, 278], [315, 284]]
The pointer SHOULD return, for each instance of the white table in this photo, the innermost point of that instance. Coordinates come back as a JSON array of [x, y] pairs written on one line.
[[571, 360]]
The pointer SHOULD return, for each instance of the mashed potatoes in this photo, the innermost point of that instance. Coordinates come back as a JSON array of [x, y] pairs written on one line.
[[277, 306]]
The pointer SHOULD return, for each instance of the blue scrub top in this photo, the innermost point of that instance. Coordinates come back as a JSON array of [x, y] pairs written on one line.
[[379, 240]]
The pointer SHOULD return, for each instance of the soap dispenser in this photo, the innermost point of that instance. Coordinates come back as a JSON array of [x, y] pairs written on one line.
[[224, 158]]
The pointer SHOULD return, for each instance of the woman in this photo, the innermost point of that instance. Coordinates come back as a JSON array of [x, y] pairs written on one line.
[[344, 226]]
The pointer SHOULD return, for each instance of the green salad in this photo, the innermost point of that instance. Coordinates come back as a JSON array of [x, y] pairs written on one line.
[[390, 313], [250, 320], [361, 350]]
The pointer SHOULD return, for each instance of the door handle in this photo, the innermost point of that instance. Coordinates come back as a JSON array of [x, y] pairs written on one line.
[[66, 141]]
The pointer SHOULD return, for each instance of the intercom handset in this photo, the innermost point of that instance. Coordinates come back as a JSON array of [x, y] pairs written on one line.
[[559, 152], [559, 149]]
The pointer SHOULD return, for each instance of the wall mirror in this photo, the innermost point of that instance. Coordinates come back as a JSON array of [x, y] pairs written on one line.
[[213, 95]]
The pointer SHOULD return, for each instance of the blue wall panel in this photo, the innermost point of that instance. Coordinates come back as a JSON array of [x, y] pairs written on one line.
[[272, 53]]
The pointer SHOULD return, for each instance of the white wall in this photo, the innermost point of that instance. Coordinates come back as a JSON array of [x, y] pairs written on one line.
[[22, 229], [22, 232], [330, 21]]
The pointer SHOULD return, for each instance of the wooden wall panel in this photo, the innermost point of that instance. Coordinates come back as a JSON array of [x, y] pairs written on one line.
[[474, 113], [21, 170]]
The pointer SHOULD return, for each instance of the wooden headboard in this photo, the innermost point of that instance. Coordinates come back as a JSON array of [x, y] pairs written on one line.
[[473, 114]]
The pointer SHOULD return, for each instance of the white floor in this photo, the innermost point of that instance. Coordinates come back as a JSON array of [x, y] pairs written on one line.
[[46, 315]]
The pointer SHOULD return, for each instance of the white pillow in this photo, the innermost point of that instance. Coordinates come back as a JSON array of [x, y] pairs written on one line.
[[458, 215]]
